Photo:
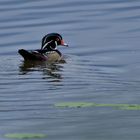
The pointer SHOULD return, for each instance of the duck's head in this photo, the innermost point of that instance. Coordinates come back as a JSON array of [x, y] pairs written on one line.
[[51, 41]]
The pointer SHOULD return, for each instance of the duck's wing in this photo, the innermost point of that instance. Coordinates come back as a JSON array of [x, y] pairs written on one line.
[[32, 55]]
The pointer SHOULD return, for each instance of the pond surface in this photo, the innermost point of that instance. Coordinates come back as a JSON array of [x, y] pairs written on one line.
[[103, 66]]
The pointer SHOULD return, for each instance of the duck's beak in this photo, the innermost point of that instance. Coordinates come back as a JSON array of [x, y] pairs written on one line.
[[63, 43]]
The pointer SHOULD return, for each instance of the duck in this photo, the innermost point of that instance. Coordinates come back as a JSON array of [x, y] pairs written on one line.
[[48, 51]]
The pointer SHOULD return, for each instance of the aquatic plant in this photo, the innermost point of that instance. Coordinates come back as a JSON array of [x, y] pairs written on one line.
[[74, 104], [25, 136], [90, 104]]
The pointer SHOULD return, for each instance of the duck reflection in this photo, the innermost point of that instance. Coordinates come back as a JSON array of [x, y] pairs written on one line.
[[49, 70]]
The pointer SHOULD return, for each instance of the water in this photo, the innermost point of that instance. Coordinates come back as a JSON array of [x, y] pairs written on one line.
[[102, 67]]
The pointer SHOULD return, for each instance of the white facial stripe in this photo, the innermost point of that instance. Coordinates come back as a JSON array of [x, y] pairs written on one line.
[[45, 39], [56, 43], [46, 44], [53, 48]]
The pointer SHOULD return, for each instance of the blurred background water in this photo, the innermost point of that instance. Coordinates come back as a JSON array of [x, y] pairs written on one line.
[[103, 66]]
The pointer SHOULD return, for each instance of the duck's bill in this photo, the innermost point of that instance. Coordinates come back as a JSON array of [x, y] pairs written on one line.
[[63, 43]]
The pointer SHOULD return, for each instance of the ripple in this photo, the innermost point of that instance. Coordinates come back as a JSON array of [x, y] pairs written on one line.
[[102, 66]]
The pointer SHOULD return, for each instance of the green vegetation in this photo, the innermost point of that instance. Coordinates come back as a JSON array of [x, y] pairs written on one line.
[[90, 104], [74, 104], [25, 136]]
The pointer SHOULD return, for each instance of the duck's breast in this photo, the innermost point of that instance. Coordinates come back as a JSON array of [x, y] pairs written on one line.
[[53, 56]]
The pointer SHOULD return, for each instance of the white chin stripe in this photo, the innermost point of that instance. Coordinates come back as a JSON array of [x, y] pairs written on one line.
[[46, 44], [53, 48], [56, 43]]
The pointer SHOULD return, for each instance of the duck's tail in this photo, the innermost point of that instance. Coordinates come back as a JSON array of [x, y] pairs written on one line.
[[29, 55]]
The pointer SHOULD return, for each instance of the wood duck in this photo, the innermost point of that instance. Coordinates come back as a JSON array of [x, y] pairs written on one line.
[[48, 51]]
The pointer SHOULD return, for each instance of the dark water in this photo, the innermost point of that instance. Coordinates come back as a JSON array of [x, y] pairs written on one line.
[[103, 66]]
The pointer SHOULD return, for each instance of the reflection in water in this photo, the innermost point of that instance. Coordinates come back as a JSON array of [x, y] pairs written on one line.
[[104, 67], [49, 70]]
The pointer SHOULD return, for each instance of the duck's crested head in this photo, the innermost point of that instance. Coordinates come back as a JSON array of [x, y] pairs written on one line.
[[52, 40]]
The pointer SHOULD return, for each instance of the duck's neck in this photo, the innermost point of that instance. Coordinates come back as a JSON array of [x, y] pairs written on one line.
[[50, 46], [49, 51]]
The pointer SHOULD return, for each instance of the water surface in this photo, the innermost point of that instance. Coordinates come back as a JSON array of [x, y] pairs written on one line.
[[103, 66]]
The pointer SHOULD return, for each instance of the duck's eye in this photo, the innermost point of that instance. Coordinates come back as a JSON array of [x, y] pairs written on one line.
[[57, 39]]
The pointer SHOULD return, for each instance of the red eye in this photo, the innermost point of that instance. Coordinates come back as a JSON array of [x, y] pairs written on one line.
[[57, 39]]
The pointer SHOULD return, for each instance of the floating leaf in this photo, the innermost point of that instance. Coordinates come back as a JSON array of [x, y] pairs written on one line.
[[25, 136], [130, 107], [90, 104], [75, 104]]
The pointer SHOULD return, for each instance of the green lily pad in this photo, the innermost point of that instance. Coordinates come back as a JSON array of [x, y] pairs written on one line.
[[90, 104], [24, 136]]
